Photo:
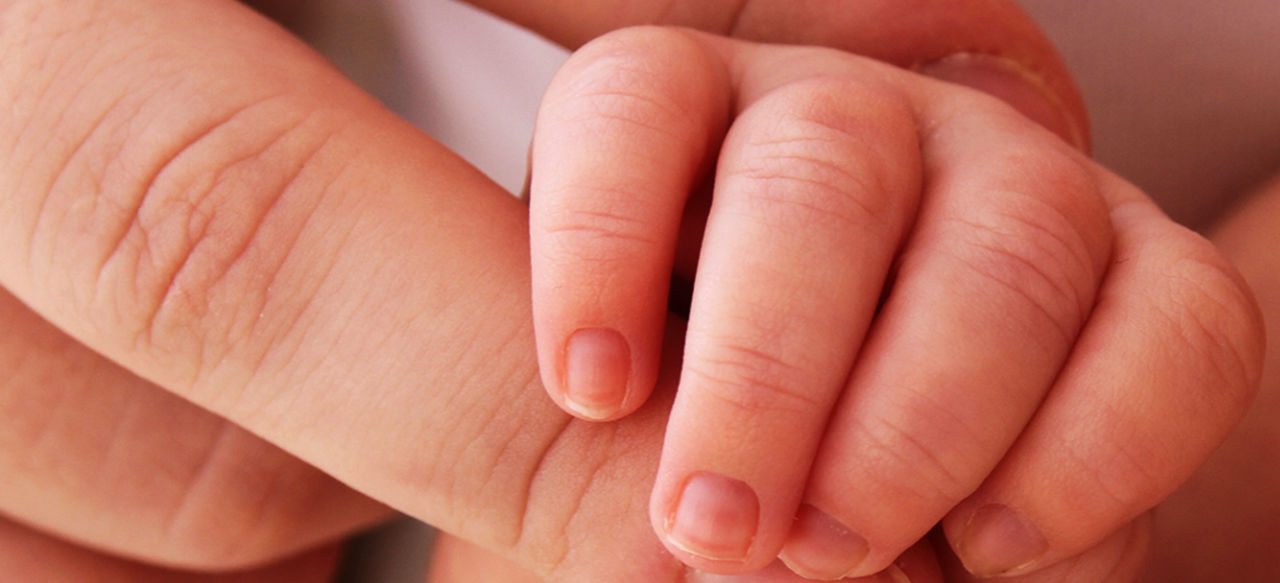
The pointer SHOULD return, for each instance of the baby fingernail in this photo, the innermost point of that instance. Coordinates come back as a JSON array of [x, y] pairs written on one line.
[[821, 547], [715, 518], [997, 541], [597, 363]]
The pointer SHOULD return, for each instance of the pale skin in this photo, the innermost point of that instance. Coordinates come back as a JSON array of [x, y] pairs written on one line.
[[255, 356]]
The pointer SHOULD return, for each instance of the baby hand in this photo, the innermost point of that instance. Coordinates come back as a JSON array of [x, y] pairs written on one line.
[[912, 305]]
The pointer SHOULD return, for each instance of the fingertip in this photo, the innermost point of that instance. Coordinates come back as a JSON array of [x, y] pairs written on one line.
[[597, 373], [715, 518], [996, 540], [820, 547]]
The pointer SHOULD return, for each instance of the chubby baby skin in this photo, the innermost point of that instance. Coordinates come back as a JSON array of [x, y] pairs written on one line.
[[912, 306]]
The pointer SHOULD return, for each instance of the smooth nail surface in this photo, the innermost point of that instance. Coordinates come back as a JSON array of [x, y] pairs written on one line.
[[597, 364], [821, 547], [997, 540], [715, 518]]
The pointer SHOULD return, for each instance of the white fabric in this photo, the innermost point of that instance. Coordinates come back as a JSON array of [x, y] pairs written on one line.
[[476, 82]]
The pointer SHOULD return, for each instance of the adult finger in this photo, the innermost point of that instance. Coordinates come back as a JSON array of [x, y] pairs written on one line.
[[92, 451], [32, 557], [625, 132], [778, 318], [914, 33], [1169, 362], [227, 217]]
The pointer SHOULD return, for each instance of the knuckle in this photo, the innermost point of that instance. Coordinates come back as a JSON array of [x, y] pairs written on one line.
[[1036, 257], [753, 381], [199, 234], [832, 151], [913, 461], [597, 233], [633, 79]]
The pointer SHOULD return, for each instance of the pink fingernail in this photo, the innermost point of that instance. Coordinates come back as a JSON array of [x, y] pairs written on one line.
[[998, 541], [821, 547], [597, 362], [715, 518]]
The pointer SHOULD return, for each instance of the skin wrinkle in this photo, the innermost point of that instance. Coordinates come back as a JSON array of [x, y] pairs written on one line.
[[20, 35], [287, 328], [1014, 283], [142, 186], [1248, 374], [120, 425], [490, 429], [537, 470], [599, 235], [245, 235], [921, 401], [948, 484], [288, 249], [250, 250], [1200, 330], [95, 127], [47, 430], [1077, 252], [620, 104], [272, 492], [753, 399], [509, 462], [302, 321], [62, 422], [553, 564], [177, 516], [133, 226], [788, 180]]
